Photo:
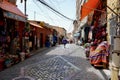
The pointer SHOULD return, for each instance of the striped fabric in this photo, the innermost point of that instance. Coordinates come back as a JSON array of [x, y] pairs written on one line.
[[100, 54]]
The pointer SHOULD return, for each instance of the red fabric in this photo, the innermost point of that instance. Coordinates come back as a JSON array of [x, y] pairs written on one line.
[[88, 7], [11, 8]]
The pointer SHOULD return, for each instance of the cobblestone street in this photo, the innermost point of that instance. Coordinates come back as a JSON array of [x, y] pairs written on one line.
[[56, 63], [56, 68]]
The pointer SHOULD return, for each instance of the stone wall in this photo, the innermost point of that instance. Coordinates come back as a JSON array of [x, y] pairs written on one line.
[[111, 18]]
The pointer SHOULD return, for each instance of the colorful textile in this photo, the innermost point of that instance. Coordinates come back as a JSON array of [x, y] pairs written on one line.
[[99, 55]]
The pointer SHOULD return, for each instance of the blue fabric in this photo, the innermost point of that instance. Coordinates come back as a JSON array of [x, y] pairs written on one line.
[[64, 41], [54, 39]]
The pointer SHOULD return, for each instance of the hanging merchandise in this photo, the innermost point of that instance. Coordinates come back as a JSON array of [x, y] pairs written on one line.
[[1, 63], [1, 23], [90, 35], [26, 35], [103, 18], [27, 28]]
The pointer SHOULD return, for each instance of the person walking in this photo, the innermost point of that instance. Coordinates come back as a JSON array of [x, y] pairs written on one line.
[[64, 41]]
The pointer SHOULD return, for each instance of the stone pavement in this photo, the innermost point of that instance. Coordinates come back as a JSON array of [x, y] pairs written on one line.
[[56, 68], [56, 63], [105, 72]]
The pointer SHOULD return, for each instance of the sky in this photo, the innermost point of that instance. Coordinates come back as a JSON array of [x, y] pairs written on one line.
[[37, 11]]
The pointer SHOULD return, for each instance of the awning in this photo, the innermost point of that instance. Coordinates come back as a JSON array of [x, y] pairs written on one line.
[[33, 24], [88, 7], [12, 11]]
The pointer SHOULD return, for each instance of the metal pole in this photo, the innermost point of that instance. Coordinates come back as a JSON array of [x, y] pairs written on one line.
[[25, 7], [34, 15], [25, 37]]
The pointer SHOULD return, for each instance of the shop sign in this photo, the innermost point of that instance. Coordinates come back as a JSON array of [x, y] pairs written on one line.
[[14, 16]]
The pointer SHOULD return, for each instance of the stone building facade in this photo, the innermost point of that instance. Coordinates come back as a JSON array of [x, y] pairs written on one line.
[[112, 19], [113, 26]]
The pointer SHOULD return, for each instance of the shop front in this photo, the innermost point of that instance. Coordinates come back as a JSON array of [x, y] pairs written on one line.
[[99, 31], [99, 49], [35, 37], [12, 23]]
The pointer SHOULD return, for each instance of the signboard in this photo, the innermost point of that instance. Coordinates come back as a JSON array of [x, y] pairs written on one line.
[[14, 16]]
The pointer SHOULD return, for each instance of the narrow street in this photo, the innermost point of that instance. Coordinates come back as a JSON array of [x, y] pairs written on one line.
[[56, 63]]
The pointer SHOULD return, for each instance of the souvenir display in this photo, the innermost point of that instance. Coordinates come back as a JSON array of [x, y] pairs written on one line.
[[9, 44]]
